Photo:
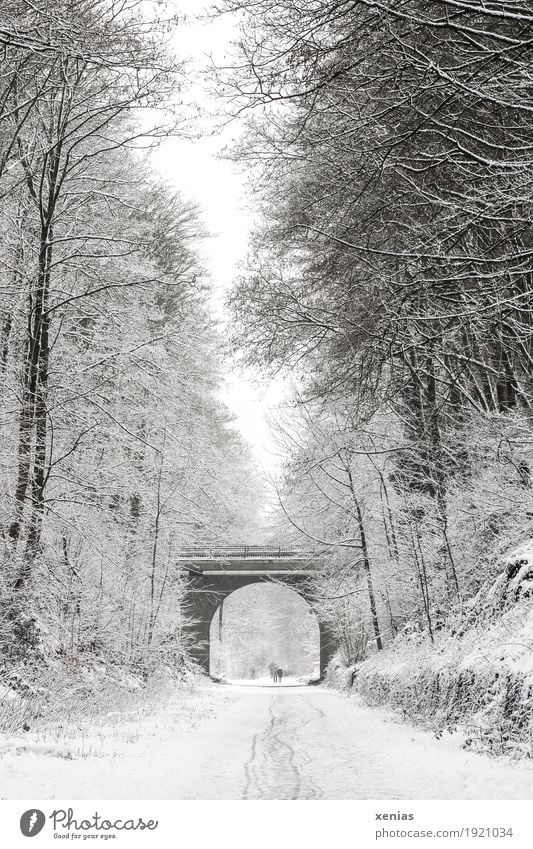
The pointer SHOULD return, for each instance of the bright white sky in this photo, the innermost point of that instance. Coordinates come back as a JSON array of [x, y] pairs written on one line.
[[218, 187]]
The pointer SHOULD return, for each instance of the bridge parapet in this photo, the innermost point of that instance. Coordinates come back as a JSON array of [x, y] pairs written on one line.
[[232, 552], [256, 560]]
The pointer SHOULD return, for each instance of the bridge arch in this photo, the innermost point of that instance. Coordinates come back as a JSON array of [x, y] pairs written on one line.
[[262, 623], [213, 575]]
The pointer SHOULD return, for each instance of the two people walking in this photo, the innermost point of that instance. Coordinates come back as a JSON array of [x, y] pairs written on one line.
[[276, 673]]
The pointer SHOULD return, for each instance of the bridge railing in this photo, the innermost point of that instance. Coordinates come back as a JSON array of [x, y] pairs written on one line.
[[227, 552]]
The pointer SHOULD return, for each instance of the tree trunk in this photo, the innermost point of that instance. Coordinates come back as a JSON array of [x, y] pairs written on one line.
[[366, 563]]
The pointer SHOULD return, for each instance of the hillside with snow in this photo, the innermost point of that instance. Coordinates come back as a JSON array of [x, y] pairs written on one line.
[[475, 675]]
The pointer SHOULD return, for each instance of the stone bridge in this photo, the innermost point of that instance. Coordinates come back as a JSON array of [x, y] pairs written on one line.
[[213, 574]]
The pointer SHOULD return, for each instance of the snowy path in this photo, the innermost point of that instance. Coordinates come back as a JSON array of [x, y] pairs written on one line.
[[252, 742]]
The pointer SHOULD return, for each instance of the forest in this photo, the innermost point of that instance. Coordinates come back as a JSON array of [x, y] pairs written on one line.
[[388, 148], [115, 448], [390, 275]]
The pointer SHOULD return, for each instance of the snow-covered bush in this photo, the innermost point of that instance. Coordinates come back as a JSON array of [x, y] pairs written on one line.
[[63, 689], [338, 674]]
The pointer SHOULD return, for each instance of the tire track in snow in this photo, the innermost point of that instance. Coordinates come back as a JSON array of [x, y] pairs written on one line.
[[249, 770], [276, 768], [316, 791], [283, 753]]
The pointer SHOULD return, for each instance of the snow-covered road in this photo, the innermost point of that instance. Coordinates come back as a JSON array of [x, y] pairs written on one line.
[[251, 742]]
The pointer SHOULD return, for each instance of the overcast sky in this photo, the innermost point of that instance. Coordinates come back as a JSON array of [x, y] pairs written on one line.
[[195, 168]]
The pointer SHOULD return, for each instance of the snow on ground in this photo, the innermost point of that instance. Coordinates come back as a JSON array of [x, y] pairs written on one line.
[[257, 742]]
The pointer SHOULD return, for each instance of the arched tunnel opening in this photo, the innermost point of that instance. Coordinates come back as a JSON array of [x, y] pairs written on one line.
[[261, 626]]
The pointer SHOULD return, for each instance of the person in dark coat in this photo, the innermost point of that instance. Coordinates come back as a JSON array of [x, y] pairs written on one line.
[[279, 674]]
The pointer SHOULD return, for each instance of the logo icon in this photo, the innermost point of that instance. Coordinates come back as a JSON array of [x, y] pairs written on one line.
[[32, 822]]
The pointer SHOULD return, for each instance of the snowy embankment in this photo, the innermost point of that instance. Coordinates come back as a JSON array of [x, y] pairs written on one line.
[[476, 675], [59, 709], [72, 758]]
